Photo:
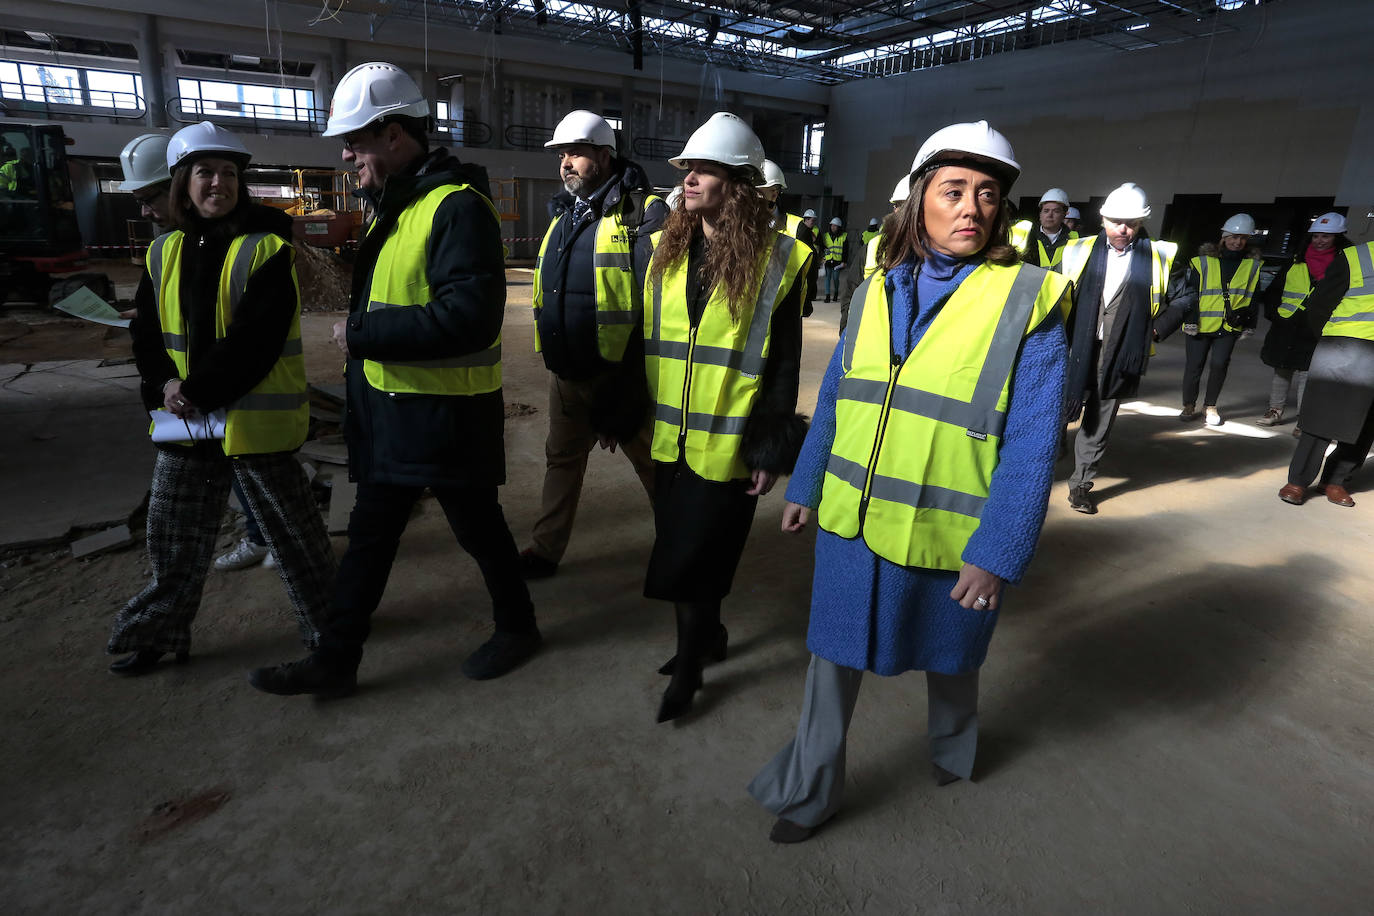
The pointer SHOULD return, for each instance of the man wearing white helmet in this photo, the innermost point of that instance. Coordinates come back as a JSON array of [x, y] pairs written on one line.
[[1073, 218], [423, 347], [146, 176], [800, 228], [588, 311], [1043, 244], [1121, 282]]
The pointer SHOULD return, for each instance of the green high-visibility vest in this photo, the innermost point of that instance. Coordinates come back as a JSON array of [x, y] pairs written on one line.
[[916, 444], [399, 280], [705, 380], [1297, 286], [618, 305], [1214, 294], [275, 415], [1354, 316], [1162, 254], [834, 246]]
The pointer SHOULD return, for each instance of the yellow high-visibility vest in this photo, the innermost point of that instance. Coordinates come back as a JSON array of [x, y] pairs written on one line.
[[275, 415], [916, 443], [1213, 293], [869, 235], [399, 280], [1162, 254], [1297, 286], [705, 380], [834, 246], [871, 255], [618, 305], [1354, 316], [1046, 257]]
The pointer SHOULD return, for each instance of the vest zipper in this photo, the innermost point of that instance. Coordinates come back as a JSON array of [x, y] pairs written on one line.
[[892, 370]]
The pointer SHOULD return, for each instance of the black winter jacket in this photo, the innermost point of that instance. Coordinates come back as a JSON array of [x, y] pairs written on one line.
[[219, 372], [424, 439], [1290, 341]]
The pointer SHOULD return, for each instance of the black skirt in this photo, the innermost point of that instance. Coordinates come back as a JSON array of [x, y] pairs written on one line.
[[700, 528]]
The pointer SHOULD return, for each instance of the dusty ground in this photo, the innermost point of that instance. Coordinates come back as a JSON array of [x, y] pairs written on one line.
[[1176, 714]]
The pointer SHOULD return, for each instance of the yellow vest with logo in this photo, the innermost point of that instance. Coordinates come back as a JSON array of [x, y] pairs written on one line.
[[916, 443], [834, 246], [1354, 316], [618, 304], [1214, 294], [1162, 254], [275, 415], [1297, 286], [705, 380], [399, 280]]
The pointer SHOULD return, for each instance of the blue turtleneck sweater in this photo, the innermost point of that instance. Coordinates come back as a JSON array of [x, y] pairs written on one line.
[[870, 614]]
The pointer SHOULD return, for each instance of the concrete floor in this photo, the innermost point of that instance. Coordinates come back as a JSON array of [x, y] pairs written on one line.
[[1178, 716]]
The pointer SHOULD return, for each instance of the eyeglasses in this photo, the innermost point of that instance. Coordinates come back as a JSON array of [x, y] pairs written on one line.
[[359, 138], [150, 199]]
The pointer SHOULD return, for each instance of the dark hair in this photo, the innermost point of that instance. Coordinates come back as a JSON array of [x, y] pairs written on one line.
[[416, 128], [182, 213], [733, 257], [904, 232]]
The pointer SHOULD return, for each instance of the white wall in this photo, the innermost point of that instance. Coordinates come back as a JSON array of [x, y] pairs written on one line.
[[1283, 106]]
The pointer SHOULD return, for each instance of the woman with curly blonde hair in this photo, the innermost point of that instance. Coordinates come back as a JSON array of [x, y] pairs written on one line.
[[722, 332]]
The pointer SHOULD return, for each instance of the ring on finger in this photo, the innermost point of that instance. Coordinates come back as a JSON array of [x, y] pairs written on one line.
[[981, 602]]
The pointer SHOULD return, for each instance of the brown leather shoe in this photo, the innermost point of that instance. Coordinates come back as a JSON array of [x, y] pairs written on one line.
[[1292, 493], [1335, 493]]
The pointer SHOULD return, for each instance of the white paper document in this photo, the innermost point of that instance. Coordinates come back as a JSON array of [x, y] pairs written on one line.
[[170, 428], [85, 304]]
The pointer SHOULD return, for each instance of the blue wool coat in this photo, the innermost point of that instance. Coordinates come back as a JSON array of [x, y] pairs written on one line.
[[871, 614]]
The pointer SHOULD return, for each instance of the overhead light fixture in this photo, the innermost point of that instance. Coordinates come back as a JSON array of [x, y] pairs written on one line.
[[1138, 26], [45, 37], [246, 59]]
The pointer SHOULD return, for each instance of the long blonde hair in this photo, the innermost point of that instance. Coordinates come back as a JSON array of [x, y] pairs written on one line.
[[742, 237]]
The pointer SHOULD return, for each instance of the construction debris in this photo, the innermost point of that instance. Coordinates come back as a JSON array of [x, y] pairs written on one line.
[[324, 278]]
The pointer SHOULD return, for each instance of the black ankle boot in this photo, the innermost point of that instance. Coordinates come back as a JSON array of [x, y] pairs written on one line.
[[143, 662], [677, 699]]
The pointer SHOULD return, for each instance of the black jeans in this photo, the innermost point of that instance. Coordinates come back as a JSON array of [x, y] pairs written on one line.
[[374, 532], [1197, 350]]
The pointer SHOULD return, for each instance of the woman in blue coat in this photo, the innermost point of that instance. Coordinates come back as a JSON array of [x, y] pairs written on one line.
[[929, 467]]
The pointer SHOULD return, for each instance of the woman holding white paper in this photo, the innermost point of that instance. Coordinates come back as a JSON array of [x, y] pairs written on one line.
[[218, 334]]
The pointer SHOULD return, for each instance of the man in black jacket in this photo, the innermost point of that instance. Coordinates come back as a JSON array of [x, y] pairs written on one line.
[[588, 284], [424, 404]]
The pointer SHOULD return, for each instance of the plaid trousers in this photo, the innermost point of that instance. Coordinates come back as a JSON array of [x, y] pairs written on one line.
[[187, 499]]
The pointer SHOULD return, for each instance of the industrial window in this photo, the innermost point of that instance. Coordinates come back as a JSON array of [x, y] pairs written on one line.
[[70, 86], [812, 139], [245, 100]]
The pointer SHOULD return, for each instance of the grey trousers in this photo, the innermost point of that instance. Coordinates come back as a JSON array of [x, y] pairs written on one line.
[[1090, 444], [1283, 383], [804, 782]]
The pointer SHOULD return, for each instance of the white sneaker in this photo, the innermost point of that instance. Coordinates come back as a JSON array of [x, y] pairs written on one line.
[[244, 555], [1213, 418]]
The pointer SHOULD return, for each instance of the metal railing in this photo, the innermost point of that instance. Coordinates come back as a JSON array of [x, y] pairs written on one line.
[[468, 132], [527, 136], [262, 117], [58, 102]]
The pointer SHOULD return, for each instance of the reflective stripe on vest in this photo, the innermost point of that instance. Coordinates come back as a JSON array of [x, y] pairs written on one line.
[[916, 445], [275, 415], [399, 280], [1212, 298], [618, 305], [1297, 286], [834, 246], [705, 380], [1354, 316]]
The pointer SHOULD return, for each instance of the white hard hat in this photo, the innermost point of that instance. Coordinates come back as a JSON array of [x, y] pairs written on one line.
[[1126, 202], [144, 162], [1333, 223], [206, 138], [809, 214], [582, 126], [1240, 224], [970, 143], [873, 222], [726, 139], [1055, 196], [836, 221], [901, 190], [772, 176], [370, 92], [1073, 214]]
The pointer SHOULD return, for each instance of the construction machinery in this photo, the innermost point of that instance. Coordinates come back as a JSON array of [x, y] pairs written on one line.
[[39, 234]]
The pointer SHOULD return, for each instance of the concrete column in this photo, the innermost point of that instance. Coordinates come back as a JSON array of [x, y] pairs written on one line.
[[455, 107], [150, 68], [496, 109], [627, 115], [338, 64]]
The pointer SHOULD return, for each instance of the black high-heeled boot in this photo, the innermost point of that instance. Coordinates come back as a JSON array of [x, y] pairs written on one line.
[[677, 699], [715, 652], [143, 662]]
